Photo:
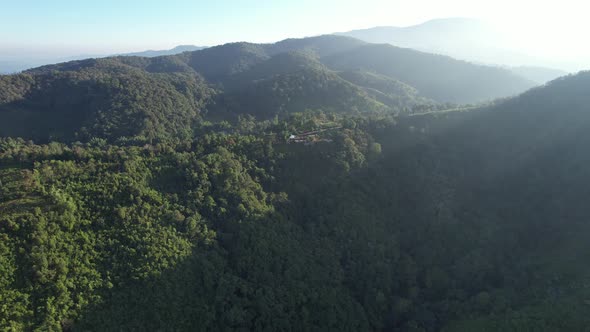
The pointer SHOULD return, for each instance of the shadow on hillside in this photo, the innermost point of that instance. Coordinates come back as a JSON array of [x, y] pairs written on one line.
[[39, 118], [179, 299], [527, 197]]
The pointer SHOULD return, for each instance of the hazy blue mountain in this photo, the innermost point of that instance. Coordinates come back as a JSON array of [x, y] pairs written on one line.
[[176, 50], [437, 77], [462, 38], [437, 36], [14, 64], [9, 66], [539, 75]]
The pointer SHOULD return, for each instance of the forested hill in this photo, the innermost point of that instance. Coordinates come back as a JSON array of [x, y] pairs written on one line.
[[467, 39], [435, 76], [102, 98], [218, 64], [465, 220], [165, 96], [176, 50]]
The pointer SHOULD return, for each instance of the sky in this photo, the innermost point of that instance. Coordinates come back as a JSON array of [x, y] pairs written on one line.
[[68, 27]]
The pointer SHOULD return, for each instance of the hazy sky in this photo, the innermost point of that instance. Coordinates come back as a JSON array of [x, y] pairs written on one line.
[[558, 28]]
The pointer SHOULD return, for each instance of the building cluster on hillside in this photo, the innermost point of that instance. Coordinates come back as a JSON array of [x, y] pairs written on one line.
[[310, 137]]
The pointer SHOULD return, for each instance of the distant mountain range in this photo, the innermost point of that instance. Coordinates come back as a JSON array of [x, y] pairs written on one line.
[[466, 39], [15, 64], [539, 75], [177, 50], [462, 38]]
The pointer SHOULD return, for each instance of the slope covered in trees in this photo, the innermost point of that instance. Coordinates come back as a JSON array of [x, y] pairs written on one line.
[[101, 98], [437, 77], [469, 39], [523, 165], [387, 90], [291, 82], [453, 221], [163, 97]]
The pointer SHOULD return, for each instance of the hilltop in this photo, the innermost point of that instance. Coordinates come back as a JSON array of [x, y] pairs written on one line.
[[118, 96]]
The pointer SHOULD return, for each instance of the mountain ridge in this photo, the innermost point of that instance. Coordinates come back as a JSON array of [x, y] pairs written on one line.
[[297, 68], [461, 38], [15, 65], [471, 220]]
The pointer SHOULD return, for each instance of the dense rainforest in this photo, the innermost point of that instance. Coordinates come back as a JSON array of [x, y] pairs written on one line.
[[291, 187]]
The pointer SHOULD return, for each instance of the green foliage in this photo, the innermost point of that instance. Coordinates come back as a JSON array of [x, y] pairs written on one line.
[[391, 92], [99, 98], [88, 227], [306, 88], [454, 221]]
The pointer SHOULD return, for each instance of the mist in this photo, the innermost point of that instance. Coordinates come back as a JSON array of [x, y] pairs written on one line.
[[478, 41]]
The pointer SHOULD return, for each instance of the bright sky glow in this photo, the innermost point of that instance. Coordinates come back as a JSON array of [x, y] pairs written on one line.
[[68, 27]]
